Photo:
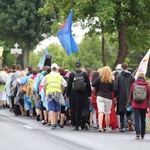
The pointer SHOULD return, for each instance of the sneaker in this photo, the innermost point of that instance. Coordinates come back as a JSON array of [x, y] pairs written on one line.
[[142, 136], [107, 129], [61, 126], [100, 130], [86, 126], [137, 136], [130, 127], [76, 128], [122, 130], [53, 126]]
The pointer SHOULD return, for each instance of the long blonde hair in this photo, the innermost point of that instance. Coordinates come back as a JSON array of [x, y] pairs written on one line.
[[106, 75]]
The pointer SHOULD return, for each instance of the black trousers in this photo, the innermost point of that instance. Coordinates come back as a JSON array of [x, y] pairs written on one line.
[[140, 122], [12, 101], [122, 115]]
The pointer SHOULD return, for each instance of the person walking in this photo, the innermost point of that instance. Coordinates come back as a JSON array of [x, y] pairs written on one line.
[[53, 85], [79, 95], [105, 86], [3, 80], [139, 96], [123, 84]]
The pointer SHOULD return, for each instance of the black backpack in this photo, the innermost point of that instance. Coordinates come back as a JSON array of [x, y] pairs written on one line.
[[79, 82]]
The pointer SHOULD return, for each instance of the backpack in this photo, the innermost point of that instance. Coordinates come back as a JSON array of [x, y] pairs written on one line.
[[139, 93], [79, 82]]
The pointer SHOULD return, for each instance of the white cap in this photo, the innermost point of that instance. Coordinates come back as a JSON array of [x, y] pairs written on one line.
[[54, 65], [118, 67]]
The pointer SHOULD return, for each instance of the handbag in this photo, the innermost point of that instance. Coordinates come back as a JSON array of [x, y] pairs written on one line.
[[23, 88]]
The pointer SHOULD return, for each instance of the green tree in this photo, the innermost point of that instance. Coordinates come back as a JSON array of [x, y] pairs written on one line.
[[120, 17], [20, 22]]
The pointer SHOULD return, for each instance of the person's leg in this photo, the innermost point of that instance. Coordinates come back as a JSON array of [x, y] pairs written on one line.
[[45, 116], [100, 120], [108, 104], [100, 104], [22, 106], [30, 109], [12, 102], [143, 122], [94, 119], [53, 115], [38, 110], [129, 121], [62, 116], [137, 121], [122, 124]]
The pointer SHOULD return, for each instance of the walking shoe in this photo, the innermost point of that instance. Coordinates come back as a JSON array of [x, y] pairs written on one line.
[[107, 129], [44, 122], [122, 130], [100, 130], [61, 126], [53, 126], [137, 136], [130, 127], [76, 128], [142, 136], [86, 126]]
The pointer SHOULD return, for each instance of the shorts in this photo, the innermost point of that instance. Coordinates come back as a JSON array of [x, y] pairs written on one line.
[[104, 105], [53, 106], [38, 104]]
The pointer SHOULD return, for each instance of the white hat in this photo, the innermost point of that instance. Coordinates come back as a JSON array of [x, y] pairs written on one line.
[[118, 67], [54, 65]]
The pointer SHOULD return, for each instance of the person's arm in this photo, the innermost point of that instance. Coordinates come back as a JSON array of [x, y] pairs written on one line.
[[96, 82], [63, 84], [44, 84], [113, 87]]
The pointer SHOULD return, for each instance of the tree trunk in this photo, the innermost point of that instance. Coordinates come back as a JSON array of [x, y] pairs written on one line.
[[25, 57], [26, 54], [103, 51], [123, 49]]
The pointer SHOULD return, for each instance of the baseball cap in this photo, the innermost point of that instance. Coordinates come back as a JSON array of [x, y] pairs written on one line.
[[78, 64], [118, 67], [54, 65]]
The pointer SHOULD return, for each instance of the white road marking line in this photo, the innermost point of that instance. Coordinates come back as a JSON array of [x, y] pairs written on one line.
[[26, 126]]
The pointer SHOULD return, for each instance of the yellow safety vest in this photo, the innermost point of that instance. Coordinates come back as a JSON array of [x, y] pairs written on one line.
[[53, 83]]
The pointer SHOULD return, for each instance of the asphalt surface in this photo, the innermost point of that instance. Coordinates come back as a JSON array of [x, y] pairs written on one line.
[[23, 133]]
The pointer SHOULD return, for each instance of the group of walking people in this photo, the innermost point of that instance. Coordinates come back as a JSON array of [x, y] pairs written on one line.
[[83, 98]]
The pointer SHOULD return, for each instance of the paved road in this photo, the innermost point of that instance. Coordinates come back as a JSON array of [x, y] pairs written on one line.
[[22, 133]]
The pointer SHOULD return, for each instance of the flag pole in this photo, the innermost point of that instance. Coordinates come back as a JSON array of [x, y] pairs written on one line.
[[136, 70], [63, 63]]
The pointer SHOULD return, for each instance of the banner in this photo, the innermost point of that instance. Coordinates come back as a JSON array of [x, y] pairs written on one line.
[[1, 51], [42, 60], [65, 36], [143, 65]]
